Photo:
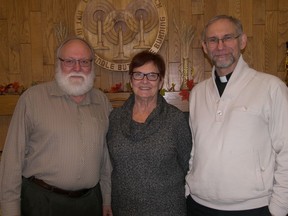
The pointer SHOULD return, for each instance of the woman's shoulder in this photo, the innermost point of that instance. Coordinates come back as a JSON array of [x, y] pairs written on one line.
[[117, 112], [174, 112]]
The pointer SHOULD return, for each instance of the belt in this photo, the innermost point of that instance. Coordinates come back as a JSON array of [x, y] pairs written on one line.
[[74, 194]]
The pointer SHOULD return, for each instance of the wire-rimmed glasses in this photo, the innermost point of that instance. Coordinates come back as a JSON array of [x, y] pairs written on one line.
[[214, 41]]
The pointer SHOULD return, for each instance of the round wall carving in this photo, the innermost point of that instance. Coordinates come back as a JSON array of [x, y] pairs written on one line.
[[119, 30]]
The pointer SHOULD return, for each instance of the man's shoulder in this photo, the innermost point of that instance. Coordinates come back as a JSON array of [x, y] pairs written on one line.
[[99, 97], [38, 89], [269, 79], [96, 93]]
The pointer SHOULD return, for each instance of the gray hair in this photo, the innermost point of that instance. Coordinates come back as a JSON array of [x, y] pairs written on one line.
[[237, 23], [75, 38], [58, 51]]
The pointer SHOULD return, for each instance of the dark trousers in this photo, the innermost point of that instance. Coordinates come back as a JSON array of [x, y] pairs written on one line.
[[195, 209], [37, 201]]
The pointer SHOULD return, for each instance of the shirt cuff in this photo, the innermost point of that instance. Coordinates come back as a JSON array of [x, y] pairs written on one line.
[[10, 208], [106, 199]]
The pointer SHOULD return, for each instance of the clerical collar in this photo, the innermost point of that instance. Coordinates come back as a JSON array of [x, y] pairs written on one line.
[[223, 79], [221, 82]]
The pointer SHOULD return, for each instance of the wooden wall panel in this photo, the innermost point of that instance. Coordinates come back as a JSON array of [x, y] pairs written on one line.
[[48, 72], [223, 8], [36, 46], [247, 16], [235, 8], [258, 12], [186, 17], [207, 65], [272, 5], [34, 22], [283, 5], [13, 38], [35, 5], [248, 52], [3, 9], [174, 78], [271, 41], [165, 53], [258, 47], [70, 8], [26, 64], [198, 65], [49, 32], [4, 64], [24, 25], [197, 7], [105, 78], [198, 23], [174, 18], [209, 9]]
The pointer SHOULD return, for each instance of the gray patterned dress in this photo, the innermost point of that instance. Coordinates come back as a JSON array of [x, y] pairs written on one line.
[[150, 161]]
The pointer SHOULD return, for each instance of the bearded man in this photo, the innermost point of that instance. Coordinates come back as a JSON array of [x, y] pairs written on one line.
[[55, 159]]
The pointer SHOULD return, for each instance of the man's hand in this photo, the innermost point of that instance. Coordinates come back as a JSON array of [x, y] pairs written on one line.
[[107, 210]]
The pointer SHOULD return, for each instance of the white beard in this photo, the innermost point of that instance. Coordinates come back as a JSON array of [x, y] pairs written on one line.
[[75, 83]]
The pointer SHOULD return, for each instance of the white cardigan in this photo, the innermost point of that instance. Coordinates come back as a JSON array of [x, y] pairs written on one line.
[[237, 140]]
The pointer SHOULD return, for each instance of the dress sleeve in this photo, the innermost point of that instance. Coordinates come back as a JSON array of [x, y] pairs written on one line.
[[184, 141]]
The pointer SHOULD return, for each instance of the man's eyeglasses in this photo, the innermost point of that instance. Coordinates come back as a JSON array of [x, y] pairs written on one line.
[[72, 62], [152, 76], [214, 41]]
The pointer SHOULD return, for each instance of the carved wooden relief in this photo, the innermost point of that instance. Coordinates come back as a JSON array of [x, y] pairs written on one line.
[[118, 31]]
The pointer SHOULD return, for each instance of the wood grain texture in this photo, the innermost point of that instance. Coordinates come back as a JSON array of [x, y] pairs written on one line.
[[271, 32], [197, 7], [49, 32], [283, 5], [272, 5], [37, 46], [26, 64], [235, 8], [258, 48], [35, 5], [198, 65], [223, 8], [33, 22], [4, 64], [248, 52], [3, 9], [24, 21], [258, 12], [247, 16], [174, 40], [13, 39]]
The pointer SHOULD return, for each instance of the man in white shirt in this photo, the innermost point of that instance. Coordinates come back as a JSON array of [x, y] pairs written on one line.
[[239, 124]]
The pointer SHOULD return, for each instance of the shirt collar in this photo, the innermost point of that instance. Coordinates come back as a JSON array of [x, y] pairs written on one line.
[[55, 90]]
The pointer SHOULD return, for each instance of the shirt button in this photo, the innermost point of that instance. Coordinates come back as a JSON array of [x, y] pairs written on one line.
[[219, 113]]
